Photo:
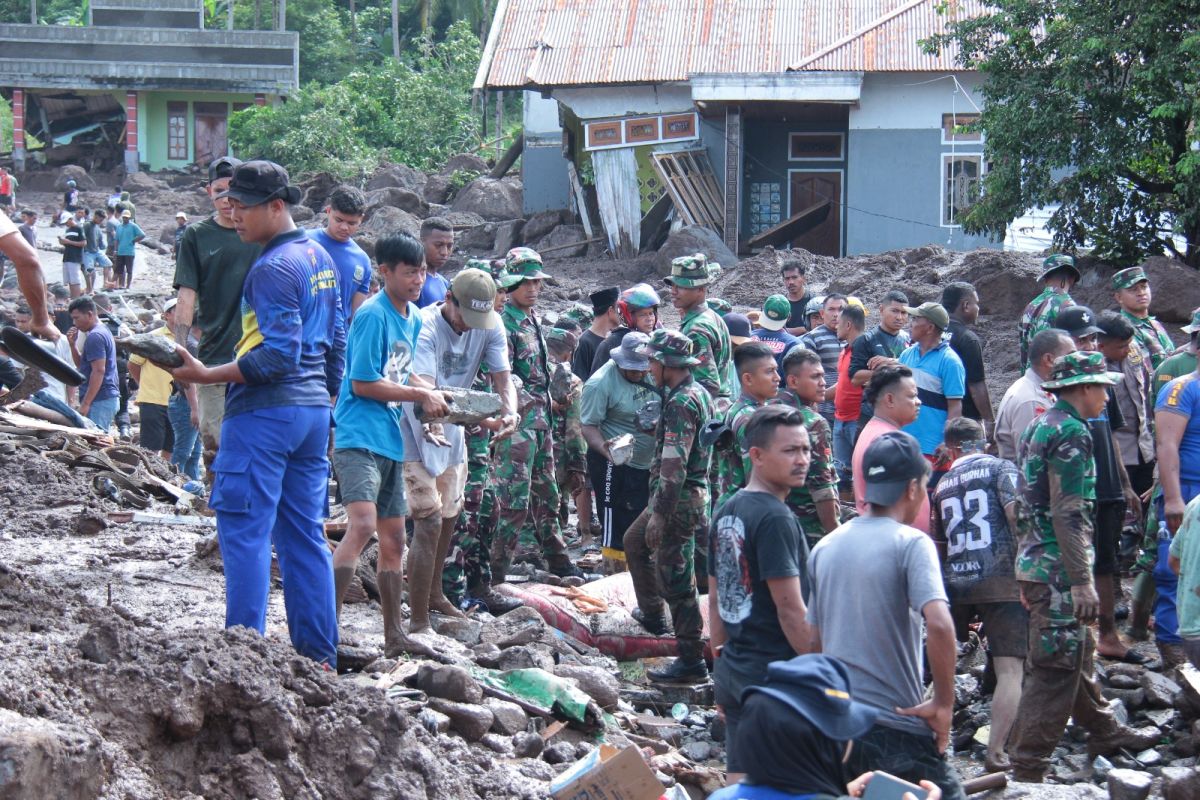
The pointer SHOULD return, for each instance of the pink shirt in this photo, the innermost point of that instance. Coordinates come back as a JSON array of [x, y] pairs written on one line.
[[875, 428]]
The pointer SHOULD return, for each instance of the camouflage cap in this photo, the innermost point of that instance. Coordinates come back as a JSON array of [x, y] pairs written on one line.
[[1057, 262], [1079, 368], [524, 263], [670, 347], [581, 314], [720, 306], [1128, 278], [562, 339], [690, 272], [1194, 327]]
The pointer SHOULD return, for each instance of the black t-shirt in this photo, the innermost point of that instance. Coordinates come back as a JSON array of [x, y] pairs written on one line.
[[1108, 480], [585, 354], [964, 342], [604, 350], [797, 318], [754, 537], [875, 342], [73, 255]]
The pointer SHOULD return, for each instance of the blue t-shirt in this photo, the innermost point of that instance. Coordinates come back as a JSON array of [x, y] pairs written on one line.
[[381, 345], [293, 339], [434, 290], [353, 267], [1182, 396], [779, 341], [126, 236], [940, 376], [98, 345]]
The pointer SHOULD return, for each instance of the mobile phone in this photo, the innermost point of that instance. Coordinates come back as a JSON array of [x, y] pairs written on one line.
[[883, 786]]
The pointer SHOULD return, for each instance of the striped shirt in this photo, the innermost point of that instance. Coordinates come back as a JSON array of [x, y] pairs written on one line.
[[823, 341]]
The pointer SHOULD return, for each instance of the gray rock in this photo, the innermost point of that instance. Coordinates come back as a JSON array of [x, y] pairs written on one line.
[[467, 720], [1120, 714], [542, 223], [466, 631], [559, 753], [1149, 757], [401, 176], [526, 657], [302, 214], [403, 199], [449, 682], [464, 162], [367, 242], [965, 689], [433, 721], [437, 188], [519, 626], [486, 655], [689, 241], [508, 718], [527, 744], [508, 235], [497, 743], [697, 751], [42, 758], [463, 219], [583, 749], [1128, 784], [386, 220], [491, 199], [479, 239], [1162, 718], [569, 239], [72, 172], [596, 683], [1132, 699], [1122, 681], [1180, 783], [1161, 691], [537, 770], [135, 184], [1101, 766]]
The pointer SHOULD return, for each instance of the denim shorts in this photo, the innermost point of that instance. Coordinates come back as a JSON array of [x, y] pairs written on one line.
[[368, 477]]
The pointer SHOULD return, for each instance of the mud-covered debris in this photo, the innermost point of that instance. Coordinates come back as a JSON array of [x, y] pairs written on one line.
[[154, 347], [467, 407]]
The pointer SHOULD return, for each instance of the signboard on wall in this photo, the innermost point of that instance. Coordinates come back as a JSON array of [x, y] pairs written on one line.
[[635, 131]]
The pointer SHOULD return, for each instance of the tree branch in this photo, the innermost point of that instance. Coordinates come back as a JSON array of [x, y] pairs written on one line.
[[1145, 184]]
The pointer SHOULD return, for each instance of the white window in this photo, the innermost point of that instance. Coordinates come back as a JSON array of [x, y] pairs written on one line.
[[961, 186]]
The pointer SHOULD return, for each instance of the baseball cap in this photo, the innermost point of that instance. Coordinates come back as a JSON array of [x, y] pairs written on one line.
[[223, 167], [934, 312], [1078, 321], [180, 215], [817, 687], [739, 327], [167, 306], [257, 182], [890, 463], [775, 312], [475, 293], [627, 356], [126, 214]]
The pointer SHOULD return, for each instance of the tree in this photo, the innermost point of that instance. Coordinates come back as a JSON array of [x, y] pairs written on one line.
[[1091, 105]]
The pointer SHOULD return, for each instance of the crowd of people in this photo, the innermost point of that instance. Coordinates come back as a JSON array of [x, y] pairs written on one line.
[[746, 461]]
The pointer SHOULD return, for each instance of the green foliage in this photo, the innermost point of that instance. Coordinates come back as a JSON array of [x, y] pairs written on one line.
[[1091, 105], [416, 112], [460, 178]]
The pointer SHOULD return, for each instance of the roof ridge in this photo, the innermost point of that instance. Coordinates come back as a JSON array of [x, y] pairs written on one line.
[[903, 8]]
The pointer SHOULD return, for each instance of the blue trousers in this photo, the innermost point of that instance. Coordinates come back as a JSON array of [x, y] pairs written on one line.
[[271, 481], [1166, 615], [844, 436], [186, 452]]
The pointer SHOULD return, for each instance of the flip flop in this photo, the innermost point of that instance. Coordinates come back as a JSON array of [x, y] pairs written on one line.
[[1131, 657]]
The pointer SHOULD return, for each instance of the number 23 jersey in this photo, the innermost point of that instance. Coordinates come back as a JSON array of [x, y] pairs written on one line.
[[969, 515]]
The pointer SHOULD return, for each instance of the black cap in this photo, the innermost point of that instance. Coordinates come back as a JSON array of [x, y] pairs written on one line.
[[604, 299], [738, 324], [220, 168], [256, 182], [890, 463], [1079, 321]]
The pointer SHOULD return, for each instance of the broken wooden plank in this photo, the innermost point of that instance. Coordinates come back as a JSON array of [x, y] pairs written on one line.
[[794, 226], [509, 158], [553, 729], [183, 520]]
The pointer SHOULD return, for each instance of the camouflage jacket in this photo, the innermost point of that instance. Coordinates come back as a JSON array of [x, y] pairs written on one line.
[[821, 483], [1038, 316], [733, 460], [1057, 501], [1151, 338], [710, 339], [570, 448], [527, 353], [679, 460]]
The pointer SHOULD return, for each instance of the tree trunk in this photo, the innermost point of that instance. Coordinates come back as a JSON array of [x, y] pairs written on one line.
[[229, 16], [396, 29], [283, 15], [257, 15], [33, 12], [425, 15], [353, 20]]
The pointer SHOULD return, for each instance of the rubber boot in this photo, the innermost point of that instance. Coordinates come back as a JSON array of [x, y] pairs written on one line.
[[1141, 605], [395, 642], [496, 603], [342, 578], [421, 555], [438, 601]]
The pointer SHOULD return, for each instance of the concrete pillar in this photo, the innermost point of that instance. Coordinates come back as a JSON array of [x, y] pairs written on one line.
[[131, 133], [18, 111], [733, 176]]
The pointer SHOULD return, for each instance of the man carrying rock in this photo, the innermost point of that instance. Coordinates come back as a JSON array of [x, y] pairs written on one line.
[[1054, 569], [1059, 274], [344, 212], [660, 544], [437, 237], [815, 501], [1026, 400], [689, 280], [605, 320], [456, 337]]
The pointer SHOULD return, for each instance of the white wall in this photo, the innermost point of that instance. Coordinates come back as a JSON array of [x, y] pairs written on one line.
[[913, 100], [623, 101], [540, 114]]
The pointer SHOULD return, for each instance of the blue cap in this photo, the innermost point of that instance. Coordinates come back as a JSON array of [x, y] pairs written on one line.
[[817, 687]]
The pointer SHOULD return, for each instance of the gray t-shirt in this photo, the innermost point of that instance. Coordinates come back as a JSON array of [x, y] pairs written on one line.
[[870, 579], [453, 360]]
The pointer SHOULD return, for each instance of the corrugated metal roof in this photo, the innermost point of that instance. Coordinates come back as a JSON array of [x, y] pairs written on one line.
[[595, 42]]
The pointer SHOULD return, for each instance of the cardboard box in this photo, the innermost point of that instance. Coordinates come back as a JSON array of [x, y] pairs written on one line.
[[608, 774]]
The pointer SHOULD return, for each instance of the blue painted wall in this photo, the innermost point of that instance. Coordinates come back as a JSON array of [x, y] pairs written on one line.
[[544, 174]]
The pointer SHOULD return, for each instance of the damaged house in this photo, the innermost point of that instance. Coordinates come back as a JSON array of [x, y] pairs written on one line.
[[143, 84], [820, 124]]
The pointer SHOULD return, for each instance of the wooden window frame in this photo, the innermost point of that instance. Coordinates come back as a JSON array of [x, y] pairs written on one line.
[[951, 121], [841, 151], [176, 109], [948, 160]]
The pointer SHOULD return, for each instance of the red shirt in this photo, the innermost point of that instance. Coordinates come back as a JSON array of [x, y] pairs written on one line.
[[870, 432], [847, 404]]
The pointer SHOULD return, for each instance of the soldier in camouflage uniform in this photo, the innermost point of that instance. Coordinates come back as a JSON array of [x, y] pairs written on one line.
[[1054, 569], [1059, 274], [660, 544], [570, 448], [815, 504], [1131, 290], [689, 280], [525, 488], [759, 381]]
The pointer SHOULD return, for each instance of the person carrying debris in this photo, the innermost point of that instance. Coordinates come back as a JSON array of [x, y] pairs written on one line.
[[660, 544], [689, 281], [524, 472], [457, 336], [638, 309], [272, 475], [759, 380], [815, 500], [1059, 274], [1054, 570]]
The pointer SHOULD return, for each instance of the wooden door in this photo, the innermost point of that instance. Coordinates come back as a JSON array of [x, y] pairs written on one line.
[[212, 139], [809, 189]]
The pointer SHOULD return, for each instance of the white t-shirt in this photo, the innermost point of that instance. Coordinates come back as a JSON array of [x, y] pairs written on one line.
[[61, 348], [7, 226]]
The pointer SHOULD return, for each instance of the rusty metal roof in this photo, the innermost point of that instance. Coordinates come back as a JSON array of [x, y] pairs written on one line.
[[596, 42]]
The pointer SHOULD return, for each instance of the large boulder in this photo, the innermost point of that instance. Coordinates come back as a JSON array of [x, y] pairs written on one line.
[[508, 235], [464, 162], [462, 219], [403, 199], [542, 223], [83, 181], [567, 241], [491, 199], [437, 188], [1174, 286], [141, 182], [385, 220], [400, 176], [689, 241], [316, 189], [43, 758], [479, 239]]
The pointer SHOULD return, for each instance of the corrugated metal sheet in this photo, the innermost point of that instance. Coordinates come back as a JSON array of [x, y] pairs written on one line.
[[595, 42]]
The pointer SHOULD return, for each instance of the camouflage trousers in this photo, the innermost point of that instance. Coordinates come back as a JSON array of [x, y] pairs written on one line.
[[469, 562], [527, 499], [1060, 680], [669, 573]]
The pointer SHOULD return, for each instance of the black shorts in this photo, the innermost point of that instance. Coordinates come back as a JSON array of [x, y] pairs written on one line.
[[6, 201], [1005, 626], [122, 266], [732, 708], [156, 428], [1110, 519]]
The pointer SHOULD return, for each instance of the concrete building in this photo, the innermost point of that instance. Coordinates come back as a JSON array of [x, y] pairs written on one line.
[[149, 63], [822, 125]]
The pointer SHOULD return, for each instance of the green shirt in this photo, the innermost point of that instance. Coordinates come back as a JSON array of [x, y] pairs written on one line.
[[611, 404], [213, 262], [1175, 366], [733, 461], [1038, 316], [1151, 338], [1186, 547], [527, 353], [680, 461]]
